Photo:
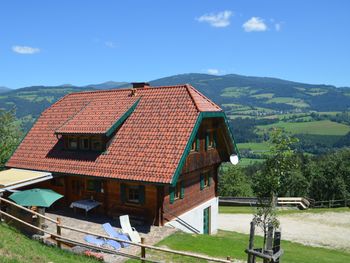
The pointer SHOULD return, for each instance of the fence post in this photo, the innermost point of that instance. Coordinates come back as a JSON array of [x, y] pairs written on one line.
[[228, 258], [277, 244], [143, 250], [251, 242], [0, 209], [58, 228]]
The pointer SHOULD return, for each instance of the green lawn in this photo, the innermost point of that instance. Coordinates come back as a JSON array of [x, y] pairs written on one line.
[[15, 247], [324, 127], [251, 210], [233, 244], [254, 146]]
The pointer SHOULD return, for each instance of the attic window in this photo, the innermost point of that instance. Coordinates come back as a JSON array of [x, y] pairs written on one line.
[[96, 144], [73, 143], [84, 143]]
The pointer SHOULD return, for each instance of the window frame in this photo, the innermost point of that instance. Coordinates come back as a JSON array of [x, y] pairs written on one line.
[[95, 139], [70, 139], [133, 188], [81, 143], [96, 188]]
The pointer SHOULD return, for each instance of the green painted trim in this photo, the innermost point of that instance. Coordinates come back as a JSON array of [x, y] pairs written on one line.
[[201, 116], [122, 118]]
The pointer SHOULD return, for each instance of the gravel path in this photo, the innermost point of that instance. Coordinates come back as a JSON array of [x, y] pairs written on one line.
[[328, 229]]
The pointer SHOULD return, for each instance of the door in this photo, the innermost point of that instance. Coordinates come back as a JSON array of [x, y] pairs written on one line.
[[76, 189], [206, 220]]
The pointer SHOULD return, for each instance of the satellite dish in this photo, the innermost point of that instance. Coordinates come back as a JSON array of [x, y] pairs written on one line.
[[234, 159]]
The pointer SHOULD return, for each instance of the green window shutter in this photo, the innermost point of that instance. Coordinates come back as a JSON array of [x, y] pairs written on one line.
[[172, 194], [123, 193], [201, 183], [198, 144], [142, 194], [215, 139], [182, 191], [206, 141]]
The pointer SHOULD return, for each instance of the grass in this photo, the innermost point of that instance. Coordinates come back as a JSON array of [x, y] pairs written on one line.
[[299, 103], [233, 244], [254, 146], [324, 127], [251, 210], [15, 247]]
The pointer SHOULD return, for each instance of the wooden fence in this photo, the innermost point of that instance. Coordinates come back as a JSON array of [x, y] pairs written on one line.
[[60, 239]]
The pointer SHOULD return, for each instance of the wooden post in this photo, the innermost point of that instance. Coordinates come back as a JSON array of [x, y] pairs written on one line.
[[58, 228], [143, 250], [0, 209], [251, 242], [269, 242], [277, 244], [228, 258]]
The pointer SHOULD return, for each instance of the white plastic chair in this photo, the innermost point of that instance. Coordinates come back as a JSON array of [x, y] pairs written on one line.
[[127, 229]]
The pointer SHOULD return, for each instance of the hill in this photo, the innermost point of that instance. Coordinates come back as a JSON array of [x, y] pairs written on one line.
[[4, 89]]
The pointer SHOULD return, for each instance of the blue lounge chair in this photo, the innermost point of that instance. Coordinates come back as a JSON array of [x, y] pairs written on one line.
[[113, 244], [94, 240], [112, 233]]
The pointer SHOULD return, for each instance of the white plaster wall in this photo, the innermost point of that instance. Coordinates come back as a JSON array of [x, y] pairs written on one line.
[[194, 218]]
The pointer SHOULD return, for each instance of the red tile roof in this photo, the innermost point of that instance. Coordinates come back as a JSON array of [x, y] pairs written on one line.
[[147, 147]]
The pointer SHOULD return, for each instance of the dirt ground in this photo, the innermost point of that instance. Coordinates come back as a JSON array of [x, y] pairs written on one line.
[[331, 230]]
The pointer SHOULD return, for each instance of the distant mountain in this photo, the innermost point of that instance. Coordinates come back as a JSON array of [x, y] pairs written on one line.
[[235, 94], [264, 92], [4, 89], [108, 85]]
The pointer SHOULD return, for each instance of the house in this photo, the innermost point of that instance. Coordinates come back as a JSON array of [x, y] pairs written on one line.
[[150, 152]]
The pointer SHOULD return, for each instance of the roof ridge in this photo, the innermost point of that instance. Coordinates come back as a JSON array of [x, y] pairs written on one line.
[[126, 89], [190, 87]]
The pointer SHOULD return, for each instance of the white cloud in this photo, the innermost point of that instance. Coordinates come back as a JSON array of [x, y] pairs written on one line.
[[255, 24], [278, 27], [220, 19], [213, 71], [25, 50], [110, 44]]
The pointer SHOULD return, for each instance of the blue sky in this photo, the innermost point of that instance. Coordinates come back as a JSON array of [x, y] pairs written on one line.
[[83, 42]]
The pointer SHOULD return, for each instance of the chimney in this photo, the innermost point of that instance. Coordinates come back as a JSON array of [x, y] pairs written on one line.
[[140, 85]]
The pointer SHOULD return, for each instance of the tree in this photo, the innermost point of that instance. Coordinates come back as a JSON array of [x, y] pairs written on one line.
[[10, 134], [234, 182], [268, 182]]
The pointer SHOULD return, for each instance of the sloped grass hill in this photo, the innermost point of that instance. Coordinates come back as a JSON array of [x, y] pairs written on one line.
[[17, 248]]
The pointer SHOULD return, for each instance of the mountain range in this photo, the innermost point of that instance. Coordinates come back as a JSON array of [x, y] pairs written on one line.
[[234, 93]]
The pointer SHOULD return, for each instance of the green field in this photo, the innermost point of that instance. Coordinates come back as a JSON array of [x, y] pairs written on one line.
[[324, 127], [233, 244], [299, 103], [17, 248], [254, 146]]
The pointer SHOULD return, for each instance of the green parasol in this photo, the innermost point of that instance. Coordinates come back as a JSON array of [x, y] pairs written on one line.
[[35, 197]]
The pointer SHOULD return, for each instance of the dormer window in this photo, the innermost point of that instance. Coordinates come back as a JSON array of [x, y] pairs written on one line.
[[84, 143], [72, 143], [96, 144]]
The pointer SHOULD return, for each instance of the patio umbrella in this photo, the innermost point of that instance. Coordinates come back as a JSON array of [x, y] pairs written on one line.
[[36, 197]]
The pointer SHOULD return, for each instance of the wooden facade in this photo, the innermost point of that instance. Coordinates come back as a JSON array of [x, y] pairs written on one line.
[[197, 183]]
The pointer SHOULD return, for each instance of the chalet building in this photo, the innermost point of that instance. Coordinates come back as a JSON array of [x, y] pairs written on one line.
[[150, 152]]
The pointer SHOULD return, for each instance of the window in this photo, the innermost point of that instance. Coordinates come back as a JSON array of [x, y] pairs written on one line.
[[133, 194], [210, 139], [177, 192], [94, 186], [205, 179], [84, 143], [72, 143], [96, 144]]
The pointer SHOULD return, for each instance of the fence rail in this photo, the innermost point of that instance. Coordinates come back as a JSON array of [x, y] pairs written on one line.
[[60, 238]]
